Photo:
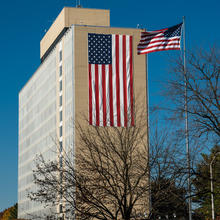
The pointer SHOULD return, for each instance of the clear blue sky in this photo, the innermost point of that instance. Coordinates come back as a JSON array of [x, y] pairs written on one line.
[[22, 24]]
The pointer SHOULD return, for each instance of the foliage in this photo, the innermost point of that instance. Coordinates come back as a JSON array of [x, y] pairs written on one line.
[[9, 214], [168, 200], [13, 212], [1, 214], [168, 175], [202, 183]]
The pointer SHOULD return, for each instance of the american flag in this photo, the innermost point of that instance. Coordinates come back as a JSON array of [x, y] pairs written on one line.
[[110, 80], [165, 39]]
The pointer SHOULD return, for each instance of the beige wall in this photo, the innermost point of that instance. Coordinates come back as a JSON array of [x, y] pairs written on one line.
[[81, 76], [81, 64], [69, 16]]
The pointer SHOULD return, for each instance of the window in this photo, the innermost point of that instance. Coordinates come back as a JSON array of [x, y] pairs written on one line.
[[61, 146], [61, 116], [61, 192], [61, 100], [61, 70], [60, 55], [61, 161], [61, 208], [61, 180], [61, 85], [61, 131]]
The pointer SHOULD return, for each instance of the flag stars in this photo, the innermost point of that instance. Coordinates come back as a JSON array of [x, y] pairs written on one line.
[[99, 48]]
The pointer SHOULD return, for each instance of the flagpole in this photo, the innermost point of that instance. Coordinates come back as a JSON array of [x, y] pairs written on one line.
[[148, 128], [186, 121]]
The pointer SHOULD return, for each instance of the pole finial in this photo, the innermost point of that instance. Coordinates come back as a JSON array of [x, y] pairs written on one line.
[[78, 5]]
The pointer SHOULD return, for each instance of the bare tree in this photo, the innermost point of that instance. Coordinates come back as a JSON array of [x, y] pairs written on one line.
[[106, 177], [168, 174], [203, 91]]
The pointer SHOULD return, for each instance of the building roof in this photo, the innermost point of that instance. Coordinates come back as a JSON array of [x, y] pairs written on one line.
[[69, 16]]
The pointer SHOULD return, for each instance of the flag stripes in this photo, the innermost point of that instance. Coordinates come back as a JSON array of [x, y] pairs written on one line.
[[111, 86], [165, 39]]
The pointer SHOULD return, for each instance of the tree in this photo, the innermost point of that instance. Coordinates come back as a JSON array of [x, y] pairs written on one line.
[[111, 175], [107, 178], [168, 175], [168, 200], [203, 102], [10, 213], [1, 214], [203, 91], [202, 184], [13, 212]]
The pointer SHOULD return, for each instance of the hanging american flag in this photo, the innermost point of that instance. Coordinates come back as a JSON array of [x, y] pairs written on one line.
[[165, 39], [110, 80]]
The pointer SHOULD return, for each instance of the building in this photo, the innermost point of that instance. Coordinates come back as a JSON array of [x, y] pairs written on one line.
[[58, 92]]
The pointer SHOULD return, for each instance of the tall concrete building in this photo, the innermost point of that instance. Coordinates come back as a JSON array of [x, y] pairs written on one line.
[[58, 92]]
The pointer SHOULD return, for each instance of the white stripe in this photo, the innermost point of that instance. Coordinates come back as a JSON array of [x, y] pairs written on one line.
[[114, 81], [150, 36], [114, 95], [107, 95], [100, 96], [121, 79], [161, 47], [93, 94], [160, 39], [160, 42], [128, 80]]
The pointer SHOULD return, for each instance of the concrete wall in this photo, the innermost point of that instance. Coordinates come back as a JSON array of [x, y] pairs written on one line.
[[69, 16]]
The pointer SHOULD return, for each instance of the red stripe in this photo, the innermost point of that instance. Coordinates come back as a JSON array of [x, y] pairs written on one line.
[[131, 83], [117, 80], [149, 34], [177, 45], [156, 41], [111, 96], [94, 108], [154, 32], [90, 95], [97, 93], [125, 82], [140, 52], [149, 38], [104, 94], [161, 45], [164, 45]]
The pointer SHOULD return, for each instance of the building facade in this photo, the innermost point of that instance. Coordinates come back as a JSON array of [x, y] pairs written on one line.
[[57, 94]]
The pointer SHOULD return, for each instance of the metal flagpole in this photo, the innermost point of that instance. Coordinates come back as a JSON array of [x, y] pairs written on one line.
[[148, 128], [186, 121]]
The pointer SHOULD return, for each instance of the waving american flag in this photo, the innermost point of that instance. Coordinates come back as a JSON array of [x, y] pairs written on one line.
[[164, 39]]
